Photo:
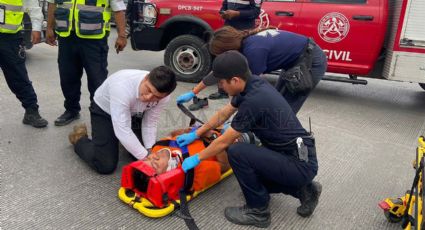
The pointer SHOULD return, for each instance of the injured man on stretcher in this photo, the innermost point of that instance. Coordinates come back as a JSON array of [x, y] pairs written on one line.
[[164, 159]]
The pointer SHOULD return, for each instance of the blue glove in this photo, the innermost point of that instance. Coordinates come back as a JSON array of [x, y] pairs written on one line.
[[225, 127], [186, 138], [190, 162], [185, 97]]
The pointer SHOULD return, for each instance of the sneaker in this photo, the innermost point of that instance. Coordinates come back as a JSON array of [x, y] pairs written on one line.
[[258, 217], [32, 117], [78, 132], [198, 103], [218, 95], [309, 198], [66, 118]]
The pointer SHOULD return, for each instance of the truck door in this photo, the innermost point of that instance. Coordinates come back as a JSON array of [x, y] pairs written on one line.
[[351, 32], [283, 14]]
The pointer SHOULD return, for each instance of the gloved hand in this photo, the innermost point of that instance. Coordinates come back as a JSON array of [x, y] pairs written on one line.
[[190, 162], [185, 97], [225, 127], [186, 138]]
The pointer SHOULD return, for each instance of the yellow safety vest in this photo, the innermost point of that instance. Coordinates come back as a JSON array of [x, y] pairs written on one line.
[[11, 15], [89, 21]]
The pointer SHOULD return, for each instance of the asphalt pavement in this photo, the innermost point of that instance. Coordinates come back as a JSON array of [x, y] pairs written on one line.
[[366, 139]]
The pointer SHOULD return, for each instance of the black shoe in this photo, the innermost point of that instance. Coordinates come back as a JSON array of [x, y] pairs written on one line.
[[309, 198], [258, 217], [218, 95], [198, 103], [33, 118], [66, 118]]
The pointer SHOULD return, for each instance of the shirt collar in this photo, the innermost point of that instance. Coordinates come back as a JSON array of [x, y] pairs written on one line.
[[247, 85]]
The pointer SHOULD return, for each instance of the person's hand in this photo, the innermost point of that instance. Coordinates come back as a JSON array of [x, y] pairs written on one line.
[[229, 14], [185, 97], [35, 37], [190, 162], [186, 138], [51, 37], [120, 43]]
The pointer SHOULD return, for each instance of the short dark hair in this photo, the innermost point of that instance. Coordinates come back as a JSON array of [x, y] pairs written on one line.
[[163, 79], [230, 64]]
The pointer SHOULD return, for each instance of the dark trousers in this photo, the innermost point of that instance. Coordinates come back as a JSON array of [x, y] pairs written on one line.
[[12, 62], [318, 69], [76, 54], [100, 152], [261, 171]]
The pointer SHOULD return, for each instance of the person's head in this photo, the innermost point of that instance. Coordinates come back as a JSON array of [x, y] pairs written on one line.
[[163, 160], [159, 83], [224, 39], [231, 70]]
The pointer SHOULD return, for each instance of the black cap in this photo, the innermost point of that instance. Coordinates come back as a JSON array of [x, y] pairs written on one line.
[[227, 65]]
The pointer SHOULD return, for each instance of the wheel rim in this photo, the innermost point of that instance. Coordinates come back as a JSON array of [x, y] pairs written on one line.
[[186, 60]]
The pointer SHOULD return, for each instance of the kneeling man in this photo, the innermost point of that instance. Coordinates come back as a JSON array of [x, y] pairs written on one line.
[[285, 163], [123, 94]]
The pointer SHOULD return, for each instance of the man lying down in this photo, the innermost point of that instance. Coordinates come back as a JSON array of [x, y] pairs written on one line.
[[168, 158]]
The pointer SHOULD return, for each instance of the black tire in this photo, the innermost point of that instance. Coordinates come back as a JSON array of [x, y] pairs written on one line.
[[422, 85], [188, 57]]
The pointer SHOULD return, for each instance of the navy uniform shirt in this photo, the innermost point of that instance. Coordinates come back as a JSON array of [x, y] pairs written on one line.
[[248, 9], [263, 111], [272, 50]]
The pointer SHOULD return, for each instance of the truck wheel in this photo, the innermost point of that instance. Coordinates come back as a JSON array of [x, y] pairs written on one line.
[[188, 57], [422, 85]]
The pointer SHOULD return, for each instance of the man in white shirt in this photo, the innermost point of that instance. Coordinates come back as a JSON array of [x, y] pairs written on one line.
[[123, 94], [12, 54]]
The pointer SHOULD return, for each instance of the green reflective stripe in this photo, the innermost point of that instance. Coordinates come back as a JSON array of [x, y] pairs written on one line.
[[12, 7], [9, 26], [90, 8]]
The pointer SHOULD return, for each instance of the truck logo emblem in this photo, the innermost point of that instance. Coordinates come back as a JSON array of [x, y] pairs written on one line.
[[333, 27], [263, 20]]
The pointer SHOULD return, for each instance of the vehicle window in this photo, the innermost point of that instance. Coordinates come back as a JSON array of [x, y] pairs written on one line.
[[340, 1]]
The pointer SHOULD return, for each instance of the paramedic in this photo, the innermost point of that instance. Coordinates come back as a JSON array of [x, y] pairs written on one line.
[[279, 166]]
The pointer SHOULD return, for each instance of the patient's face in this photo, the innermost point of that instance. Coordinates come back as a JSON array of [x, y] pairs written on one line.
[[158, 160]]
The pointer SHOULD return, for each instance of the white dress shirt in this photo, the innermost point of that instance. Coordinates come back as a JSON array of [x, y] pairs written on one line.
[[34, 11], [119, 97]]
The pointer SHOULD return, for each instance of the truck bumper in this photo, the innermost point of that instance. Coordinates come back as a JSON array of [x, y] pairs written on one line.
[[149, 38]]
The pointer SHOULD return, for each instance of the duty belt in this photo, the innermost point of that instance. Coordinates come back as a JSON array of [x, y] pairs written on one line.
[[296, 147]]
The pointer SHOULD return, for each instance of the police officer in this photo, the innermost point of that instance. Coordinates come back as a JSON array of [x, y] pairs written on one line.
[[82, 27], [267, 50], [285, 163], [12, 54], [241, 15]]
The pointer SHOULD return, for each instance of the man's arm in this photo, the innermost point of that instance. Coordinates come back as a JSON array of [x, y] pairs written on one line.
[[121, 121], [50, 34], [217, 119], [220, 144], [36, 15], [121, 41], [150, 122]]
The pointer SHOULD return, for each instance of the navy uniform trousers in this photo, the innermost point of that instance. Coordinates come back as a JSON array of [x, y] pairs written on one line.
[[261, 171], [76, 54], [12, 62]]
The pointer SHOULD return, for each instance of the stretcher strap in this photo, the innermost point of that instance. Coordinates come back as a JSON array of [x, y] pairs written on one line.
[[192, 117], [184, 212]]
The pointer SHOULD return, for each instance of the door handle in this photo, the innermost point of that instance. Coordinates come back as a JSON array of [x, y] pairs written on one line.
[[363, 17], [284, 13]]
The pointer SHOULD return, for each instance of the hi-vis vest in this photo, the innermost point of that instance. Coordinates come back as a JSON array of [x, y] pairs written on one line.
[[11, 16], [89, 21]]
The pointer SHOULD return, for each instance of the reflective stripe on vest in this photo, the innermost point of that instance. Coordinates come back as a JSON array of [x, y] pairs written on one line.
[[88, 21], [13, 16]]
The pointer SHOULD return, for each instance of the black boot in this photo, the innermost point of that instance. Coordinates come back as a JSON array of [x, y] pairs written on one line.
[[309, 198], [66, 118], [198, 103], [258, 217], [218, 95], [33, 118]]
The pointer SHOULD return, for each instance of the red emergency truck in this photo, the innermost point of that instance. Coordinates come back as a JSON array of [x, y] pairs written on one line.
[[382, 39]]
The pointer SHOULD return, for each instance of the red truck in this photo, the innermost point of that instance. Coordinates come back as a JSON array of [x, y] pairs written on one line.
[[382, 39]]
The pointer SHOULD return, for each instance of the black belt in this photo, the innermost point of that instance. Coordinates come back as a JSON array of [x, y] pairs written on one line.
[[291, 147]]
